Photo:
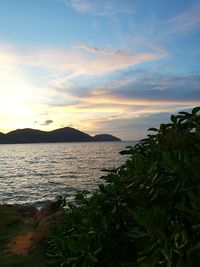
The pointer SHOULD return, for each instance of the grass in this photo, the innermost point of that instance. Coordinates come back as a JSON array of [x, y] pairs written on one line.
[[13, 222], [34, 259]]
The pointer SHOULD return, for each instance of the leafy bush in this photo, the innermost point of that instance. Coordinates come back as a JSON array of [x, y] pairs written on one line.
[[147, 213]]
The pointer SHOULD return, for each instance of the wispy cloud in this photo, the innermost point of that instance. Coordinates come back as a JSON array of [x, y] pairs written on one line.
[[96, 50], [101, 7], [110, 60], [82, 59], [186, 21]]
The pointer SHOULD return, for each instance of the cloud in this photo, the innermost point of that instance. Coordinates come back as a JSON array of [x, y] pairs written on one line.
[[62, 96], [81, 60], [101, 7], [161, 88], [44, 123], [134, 128], [134, 98], [185, 22], [80, 6], [96, 50], [47, 122], [63, 67], [141, 87], [103, 60]]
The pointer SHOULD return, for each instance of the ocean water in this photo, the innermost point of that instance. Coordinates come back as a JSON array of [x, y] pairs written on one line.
[[33, 173]]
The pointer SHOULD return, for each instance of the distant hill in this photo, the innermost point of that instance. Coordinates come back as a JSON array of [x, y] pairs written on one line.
[[105, 137], [66, 134]]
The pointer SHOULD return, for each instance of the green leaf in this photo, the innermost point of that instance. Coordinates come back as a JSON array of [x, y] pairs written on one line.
[[195, 110], [174, 119], [153, 129]]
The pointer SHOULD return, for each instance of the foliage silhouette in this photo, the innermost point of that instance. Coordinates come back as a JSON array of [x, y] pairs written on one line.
[[146, 213]]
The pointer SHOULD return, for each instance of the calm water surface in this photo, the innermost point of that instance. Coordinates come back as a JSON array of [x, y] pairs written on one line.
[[33, 173]]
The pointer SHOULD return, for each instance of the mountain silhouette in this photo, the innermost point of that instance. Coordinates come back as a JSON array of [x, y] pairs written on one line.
[[66, 134], [105, 137]]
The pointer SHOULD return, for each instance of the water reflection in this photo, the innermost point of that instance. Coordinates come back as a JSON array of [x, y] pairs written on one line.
[[33, 173]]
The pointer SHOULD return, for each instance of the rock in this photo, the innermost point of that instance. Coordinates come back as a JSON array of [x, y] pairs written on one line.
[[41, 232], [48, 215], [42, 229], [46, 211]]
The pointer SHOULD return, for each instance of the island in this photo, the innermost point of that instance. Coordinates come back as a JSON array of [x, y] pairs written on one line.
[[66, 134]]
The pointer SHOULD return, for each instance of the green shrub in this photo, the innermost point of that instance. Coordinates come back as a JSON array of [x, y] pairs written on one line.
[[147, 213]]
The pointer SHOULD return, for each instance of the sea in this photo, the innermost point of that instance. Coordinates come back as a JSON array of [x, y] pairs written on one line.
[[35, 173]]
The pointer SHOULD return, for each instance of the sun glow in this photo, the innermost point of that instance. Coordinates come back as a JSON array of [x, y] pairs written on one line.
[[15, 97], [15, 91]]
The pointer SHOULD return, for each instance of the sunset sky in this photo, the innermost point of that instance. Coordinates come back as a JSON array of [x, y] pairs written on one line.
[[101, 66]]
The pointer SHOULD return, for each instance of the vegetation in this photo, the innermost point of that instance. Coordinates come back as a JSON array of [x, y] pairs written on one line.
[[13, 222], [147, 213]]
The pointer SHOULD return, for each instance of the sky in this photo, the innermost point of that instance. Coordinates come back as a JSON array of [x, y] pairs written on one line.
[[100, 66]]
